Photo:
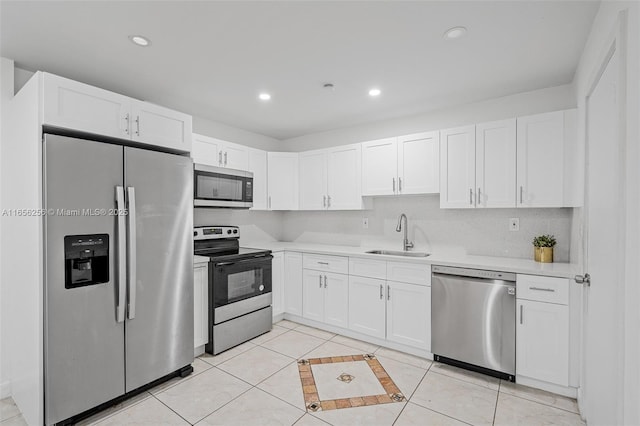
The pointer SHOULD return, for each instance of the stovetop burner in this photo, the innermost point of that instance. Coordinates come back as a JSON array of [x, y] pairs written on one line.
[[222, 243]]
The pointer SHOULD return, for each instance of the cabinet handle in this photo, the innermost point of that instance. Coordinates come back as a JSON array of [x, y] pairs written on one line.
[[399, 184], [220, 158], [323, 263], [320, 279], [479, 198], [470, 196], [137, 125], [542, 289], [521, 189], [269, 201], [325, 281], [324, 201], [521, 313], [381, 296], [225, 158], [394, 185], [388, 292], [126, 118], [328, 201]]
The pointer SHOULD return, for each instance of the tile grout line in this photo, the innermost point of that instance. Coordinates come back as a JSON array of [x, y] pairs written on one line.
[[495, 409], [118, 411], [174, 411]]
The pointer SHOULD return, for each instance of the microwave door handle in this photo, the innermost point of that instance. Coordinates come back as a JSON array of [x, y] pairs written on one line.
[[131, 246], [122, 249]]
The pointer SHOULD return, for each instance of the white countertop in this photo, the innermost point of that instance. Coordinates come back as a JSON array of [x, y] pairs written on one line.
[[452, 258]]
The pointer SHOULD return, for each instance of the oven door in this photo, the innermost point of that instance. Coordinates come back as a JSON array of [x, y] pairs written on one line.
[[220, 187], [240, 287]]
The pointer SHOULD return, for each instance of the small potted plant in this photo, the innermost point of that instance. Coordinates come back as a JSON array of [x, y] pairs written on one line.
[[543, 248]]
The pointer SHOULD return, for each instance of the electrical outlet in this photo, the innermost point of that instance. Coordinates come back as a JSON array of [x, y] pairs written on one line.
[[365, 223], [514, 224]]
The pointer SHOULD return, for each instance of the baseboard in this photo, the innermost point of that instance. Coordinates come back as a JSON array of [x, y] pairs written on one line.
[[278, 317], [549, 387], [5, 390]]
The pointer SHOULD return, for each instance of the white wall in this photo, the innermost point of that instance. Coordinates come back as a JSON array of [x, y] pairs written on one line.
[[233, 134]]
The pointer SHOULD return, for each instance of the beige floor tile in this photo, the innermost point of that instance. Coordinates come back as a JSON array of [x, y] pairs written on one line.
[[293, 344], [373, 415], [403, 357], [286, 385], [113, 410], [364, 381], [200, 396], [320, 334], [256, 364], [15, 421], [8, 409], [287, 324], [226, 355], [466, 375], [514, 411], [364, 347], [540, 396], [455, 398], [406, 377], [255, 408], [275, 332], [415, 415], [148, 412], [199, 366], [309, 420], [331, 348]]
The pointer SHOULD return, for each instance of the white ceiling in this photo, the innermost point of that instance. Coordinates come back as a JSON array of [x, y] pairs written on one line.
[[211, 59]]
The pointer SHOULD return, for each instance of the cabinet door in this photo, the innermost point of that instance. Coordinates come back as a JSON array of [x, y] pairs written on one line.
[[540, 160], [367, 306], [379, 167], [344, 177], [336, 299], [258, 166], [419, 163], [542, 341], [409, 314], [235, 156], [277, 283], [72, 105], [313, 180], [159, 126], [282, 181], [457, 167], [313, 294], [200, 304], [293, 283], [496, 164], [206, 150]]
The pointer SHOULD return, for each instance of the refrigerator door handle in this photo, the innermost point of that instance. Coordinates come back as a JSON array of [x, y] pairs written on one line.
[[122, 248], [131, 250]]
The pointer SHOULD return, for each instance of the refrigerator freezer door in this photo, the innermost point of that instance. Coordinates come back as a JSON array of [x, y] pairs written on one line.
[[84, 344], [159, 339]]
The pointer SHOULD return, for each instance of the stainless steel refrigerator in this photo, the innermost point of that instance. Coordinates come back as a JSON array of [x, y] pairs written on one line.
[[118, 296]]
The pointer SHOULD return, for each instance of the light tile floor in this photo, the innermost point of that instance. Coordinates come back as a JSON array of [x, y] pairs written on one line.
[[257, 383]]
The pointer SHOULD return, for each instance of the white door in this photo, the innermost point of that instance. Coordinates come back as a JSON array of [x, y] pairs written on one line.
[[282, 180], [235, 156], [344, 177], [313, 294], [160, 126], [458, 167], [409, 314], [277, 283], [313, 180], [496, 164], [293, 283], [542, 341], [540, 160], [336, 299], [604, 256], [367, 306], [206, 150], [379, 167], [419, 163], [258, 166]]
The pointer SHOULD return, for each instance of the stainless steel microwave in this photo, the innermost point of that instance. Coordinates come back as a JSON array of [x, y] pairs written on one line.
[[222, 187]]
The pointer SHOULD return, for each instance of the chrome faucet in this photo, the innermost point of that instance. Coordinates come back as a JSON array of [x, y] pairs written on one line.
[[406, 244]]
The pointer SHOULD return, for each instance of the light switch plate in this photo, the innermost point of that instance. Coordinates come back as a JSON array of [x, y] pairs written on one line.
[[514, 224]]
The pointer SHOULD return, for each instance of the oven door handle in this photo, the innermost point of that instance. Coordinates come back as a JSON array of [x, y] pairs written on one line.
[[252, 259]]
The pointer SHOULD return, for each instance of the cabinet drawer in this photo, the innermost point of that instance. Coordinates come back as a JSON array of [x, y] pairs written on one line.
[[368, 268], [409, 273], [337, 264], [543, 289]]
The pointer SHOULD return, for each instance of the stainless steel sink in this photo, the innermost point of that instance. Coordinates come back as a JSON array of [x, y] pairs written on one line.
[[400, 253]]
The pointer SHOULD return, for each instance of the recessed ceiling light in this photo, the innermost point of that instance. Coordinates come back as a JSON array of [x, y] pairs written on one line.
[[140, 40], [454, 33], [264, 96], [375, 92]]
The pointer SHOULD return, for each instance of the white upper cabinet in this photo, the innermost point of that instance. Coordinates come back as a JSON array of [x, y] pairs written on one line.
[[313, 180], [219, 153], [258, 166], [457, 167], [403, 165], [540, 160], [282, 180], [379, 167], [496, 164], [73, 105], [418, 163]]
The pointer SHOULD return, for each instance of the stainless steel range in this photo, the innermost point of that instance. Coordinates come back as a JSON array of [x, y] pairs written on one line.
[[239, 287]]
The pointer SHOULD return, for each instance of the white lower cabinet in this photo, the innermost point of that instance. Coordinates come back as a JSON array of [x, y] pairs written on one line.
[[367, 306], [293, 283], [409, 314], [325, 297], [200, 303], [277, 283]]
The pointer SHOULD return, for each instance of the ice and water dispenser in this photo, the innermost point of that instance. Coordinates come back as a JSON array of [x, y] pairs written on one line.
[[86, 260]]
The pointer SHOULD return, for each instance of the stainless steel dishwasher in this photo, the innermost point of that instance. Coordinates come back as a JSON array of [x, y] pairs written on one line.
[[473, 319]]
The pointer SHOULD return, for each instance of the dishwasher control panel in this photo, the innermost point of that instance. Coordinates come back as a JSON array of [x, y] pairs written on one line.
[[475, 273]]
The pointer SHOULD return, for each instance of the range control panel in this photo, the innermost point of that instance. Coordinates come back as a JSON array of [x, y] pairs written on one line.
[[215, 232]]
